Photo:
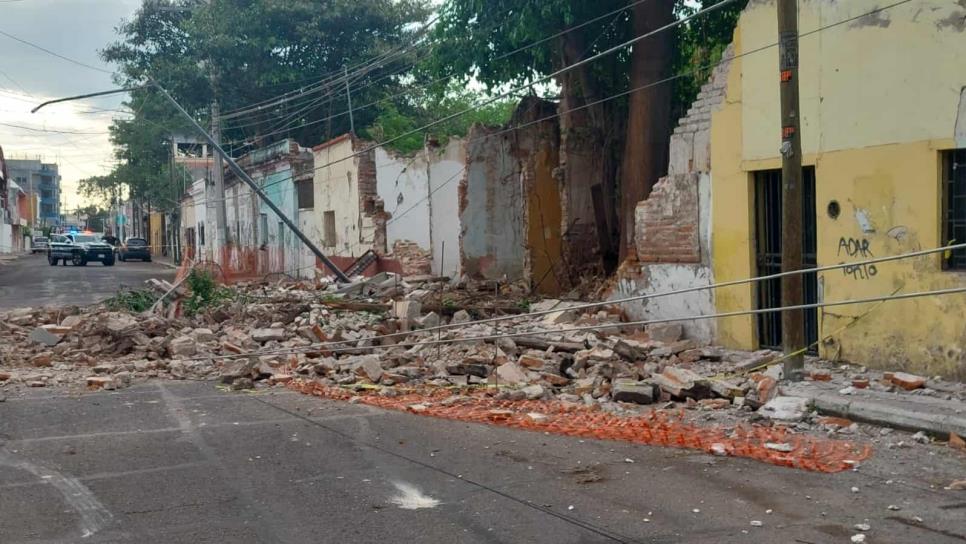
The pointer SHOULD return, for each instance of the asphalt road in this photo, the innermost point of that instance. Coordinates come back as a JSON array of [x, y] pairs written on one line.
[[182, 462], [30, 281]]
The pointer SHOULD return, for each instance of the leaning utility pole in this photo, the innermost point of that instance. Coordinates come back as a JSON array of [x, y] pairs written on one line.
[[218, 180], [793, 322]]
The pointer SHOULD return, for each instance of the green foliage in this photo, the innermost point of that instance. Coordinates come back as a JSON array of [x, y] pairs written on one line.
[[699, 47], [133, 300], [205, 293], [433, 105], [246, 52]]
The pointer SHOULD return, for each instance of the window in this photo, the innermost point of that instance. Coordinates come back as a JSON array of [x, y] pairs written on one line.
[[46, 180], [263, 229], [328, 228], [306, 194], [46, 194], [954, 203], [281, 234], [201, 233], [47, 209]]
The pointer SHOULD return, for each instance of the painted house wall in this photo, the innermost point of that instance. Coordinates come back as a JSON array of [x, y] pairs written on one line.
[[873, 126], [403, 184], [337, 190]]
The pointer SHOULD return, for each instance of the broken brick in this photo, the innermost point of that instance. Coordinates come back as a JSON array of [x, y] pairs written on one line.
[[820, 375], [908, 381]]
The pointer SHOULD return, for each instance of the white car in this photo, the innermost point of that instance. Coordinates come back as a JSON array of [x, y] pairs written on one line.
[[39, 244]]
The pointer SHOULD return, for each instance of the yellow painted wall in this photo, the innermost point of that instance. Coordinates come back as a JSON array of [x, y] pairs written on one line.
[[879, 102], [157, 234], [337, 189]]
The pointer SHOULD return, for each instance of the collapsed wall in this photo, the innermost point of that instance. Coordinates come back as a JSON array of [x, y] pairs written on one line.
[[672, 227]]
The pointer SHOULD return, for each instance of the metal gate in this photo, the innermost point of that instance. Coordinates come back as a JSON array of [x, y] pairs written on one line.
[[768, 255]]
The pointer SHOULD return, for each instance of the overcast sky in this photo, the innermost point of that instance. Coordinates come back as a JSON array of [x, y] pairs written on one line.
[[77, 29]]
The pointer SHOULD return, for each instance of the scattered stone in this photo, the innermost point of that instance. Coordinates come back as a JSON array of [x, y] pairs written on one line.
[[533, 392], [99, 382], [858, 538], [628, 390], [429, 320], [182, 346], [4, 376], [785, 408], [862, 527], [956, 442], [267, 335], [511, 374], [921, 437], [461, 316], [665, 333], [40, 335], [44, 359], [820, 375], [203, 335], [783, 447]]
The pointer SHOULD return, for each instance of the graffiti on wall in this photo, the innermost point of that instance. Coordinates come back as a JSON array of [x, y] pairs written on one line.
[[856, 248]]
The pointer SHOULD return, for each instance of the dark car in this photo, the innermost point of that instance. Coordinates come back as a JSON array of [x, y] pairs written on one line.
[[135, 248], [79, 249]]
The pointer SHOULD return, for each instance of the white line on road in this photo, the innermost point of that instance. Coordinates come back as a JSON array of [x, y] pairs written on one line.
[[93, 514]]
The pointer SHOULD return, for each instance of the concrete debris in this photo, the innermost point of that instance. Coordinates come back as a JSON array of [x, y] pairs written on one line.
[[785, 408], [371, 334]]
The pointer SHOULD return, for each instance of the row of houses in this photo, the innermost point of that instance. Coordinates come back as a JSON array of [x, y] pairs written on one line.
[[29, 201], [884, 155]]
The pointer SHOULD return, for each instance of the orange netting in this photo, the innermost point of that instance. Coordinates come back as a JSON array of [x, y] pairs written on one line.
[[775, 445]]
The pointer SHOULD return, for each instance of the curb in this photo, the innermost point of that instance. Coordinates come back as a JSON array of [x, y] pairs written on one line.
[[915, 416]]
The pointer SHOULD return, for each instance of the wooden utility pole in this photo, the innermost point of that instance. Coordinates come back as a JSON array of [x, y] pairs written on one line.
[[793, 321]]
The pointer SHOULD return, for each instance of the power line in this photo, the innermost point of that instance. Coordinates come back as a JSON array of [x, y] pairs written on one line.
[[506, 94], [58, 55], [647, 86], [53, 131]]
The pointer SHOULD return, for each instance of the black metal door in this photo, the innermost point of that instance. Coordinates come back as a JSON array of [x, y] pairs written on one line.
[[768, 255]]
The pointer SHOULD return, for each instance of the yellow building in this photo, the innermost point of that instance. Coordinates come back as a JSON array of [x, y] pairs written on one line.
[[883, 111], [156, 226]]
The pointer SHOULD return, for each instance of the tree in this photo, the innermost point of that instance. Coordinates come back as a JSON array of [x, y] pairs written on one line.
[[245, 52]]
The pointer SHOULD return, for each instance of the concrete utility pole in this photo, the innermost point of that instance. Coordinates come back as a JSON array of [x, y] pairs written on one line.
[[793, 321]]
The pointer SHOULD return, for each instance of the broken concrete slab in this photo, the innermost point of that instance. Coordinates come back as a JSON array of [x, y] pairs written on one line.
[[629, 390], [666, 333], [182, 346]]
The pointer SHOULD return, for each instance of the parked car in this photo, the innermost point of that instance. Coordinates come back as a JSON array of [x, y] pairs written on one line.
[[79, 249], [135, 248], [39, 243]]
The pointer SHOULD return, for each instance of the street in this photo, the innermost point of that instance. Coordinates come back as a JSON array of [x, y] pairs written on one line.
[[30, 281], [185, 462]]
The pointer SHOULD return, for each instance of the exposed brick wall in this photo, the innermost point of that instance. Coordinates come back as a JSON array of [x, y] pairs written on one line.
[[370, 205], [666, 224], [413, 259]]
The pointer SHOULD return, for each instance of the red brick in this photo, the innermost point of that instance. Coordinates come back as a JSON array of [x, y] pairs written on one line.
[[908, 381], [860, 383]]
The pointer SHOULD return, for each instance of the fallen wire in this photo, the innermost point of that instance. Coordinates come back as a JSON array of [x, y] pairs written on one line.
[[315, 348], [606, 533], [649, 296], [773, 445]]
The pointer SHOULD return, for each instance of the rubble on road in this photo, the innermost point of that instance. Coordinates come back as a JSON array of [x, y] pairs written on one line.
[[381, 333]]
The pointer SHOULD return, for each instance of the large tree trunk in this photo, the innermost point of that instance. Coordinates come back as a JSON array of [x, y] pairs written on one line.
[[649, 114], [585, 161]]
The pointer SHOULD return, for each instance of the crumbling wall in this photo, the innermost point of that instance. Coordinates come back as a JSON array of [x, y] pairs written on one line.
[[403, 184], [537, 147], [412, 259], [491, 211], [446, 169], [672, 230]]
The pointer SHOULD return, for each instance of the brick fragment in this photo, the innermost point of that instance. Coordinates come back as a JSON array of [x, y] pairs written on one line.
[[908, 381]]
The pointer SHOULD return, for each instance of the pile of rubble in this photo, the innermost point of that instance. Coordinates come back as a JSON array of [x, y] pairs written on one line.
[[382, 333]]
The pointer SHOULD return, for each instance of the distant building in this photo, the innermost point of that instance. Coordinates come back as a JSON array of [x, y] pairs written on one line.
[[41, 181]]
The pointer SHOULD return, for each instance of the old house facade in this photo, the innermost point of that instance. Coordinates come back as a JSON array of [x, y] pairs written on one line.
[[884, 171]]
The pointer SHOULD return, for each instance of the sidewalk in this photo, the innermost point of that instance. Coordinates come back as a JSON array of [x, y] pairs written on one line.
[[903, 411], [7, 258]]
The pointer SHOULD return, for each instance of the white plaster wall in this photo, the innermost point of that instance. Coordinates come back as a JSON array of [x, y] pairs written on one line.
[[336, 189], [403, 185], [6, 238], [661, 278], [445, 172]]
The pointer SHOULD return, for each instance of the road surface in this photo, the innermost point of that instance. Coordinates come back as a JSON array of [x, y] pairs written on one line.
[[30, 281], [182, 462]]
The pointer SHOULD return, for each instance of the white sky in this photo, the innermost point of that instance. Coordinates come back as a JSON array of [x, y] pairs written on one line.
[[77, 29]]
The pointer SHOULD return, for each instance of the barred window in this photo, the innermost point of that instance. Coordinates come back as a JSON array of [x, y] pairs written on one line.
[[954, 201]]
